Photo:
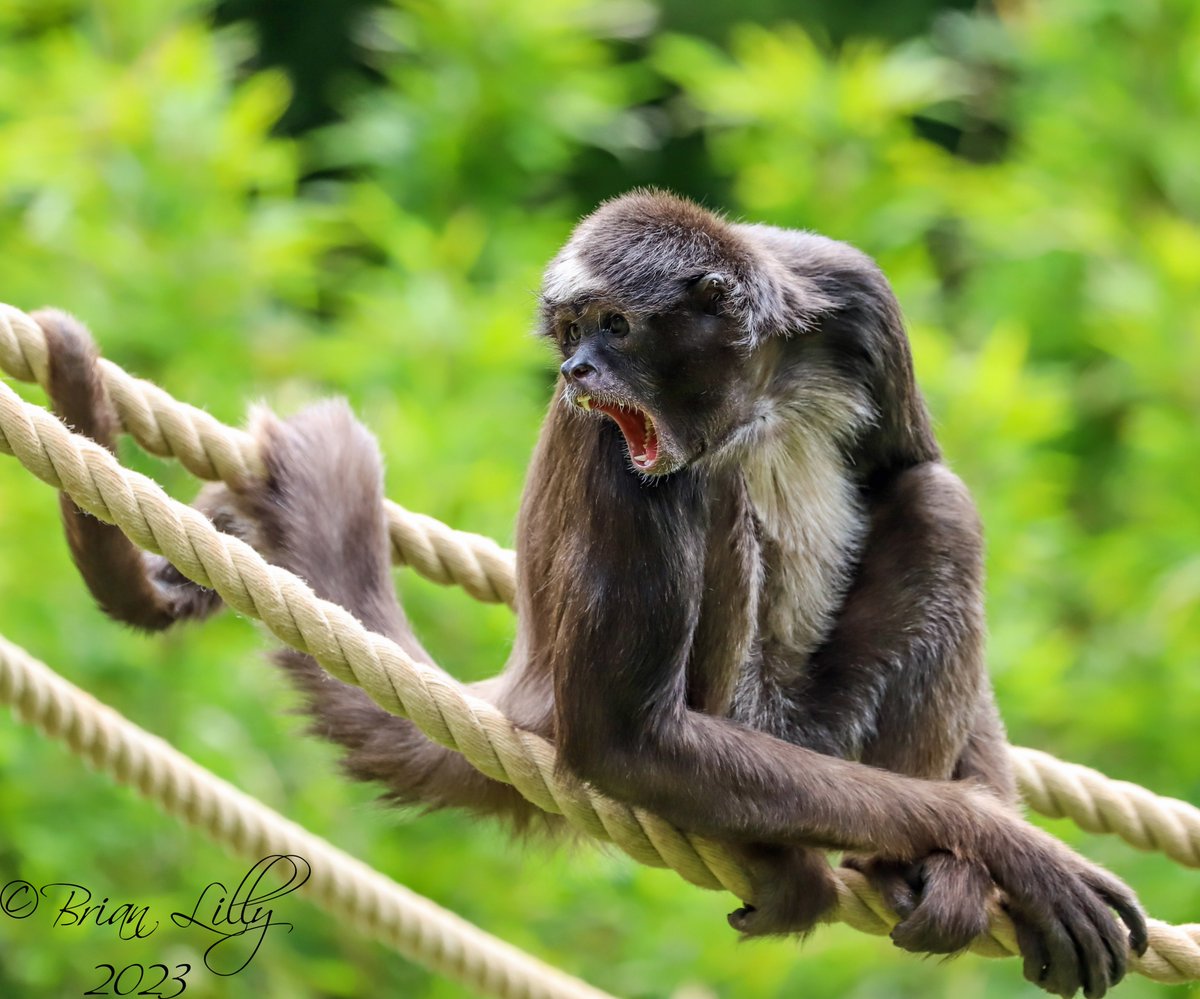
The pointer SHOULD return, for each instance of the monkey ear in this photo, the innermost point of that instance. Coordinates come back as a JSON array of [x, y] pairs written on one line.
[[711, 293]]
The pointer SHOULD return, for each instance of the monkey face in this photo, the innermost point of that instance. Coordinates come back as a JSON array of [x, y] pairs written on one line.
[[668, 379]]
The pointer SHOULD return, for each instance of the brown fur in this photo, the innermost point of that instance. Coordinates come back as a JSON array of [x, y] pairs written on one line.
[[771, 635]]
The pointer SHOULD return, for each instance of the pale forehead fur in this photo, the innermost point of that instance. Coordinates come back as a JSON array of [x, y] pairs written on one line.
[[567, 277], [644, 248]]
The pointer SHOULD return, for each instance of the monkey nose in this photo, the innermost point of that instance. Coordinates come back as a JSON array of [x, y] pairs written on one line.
[[576, 370]]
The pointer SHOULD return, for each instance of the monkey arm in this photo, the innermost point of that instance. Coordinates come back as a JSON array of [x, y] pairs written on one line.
[[713, 776], [900, 683], [623, 616], [620, 620], [724, 644]]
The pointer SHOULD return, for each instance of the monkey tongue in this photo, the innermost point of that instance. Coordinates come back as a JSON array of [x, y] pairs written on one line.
[[639, 432]]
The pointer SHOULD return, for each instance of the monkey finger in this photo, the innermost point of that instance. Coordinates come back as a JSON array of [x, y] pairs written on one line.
[[749, 921], [1109, 953], [742, 919], [1115, 945], [1101, 941], [1034, 958], [793, 889], [1095, 957], [1120, 898], [755, 921], [1062, 974]]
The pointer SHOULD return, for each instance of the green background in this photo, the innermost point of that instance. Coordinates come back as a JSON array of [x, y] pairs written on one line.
[[285, 201]]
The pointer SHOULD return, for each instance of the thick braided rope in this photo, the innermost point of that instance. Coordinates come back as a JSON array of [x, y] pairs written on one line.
[[1100, 804], [434, 701], [209, 449], [439, 705], [345, 887], [94, 479]]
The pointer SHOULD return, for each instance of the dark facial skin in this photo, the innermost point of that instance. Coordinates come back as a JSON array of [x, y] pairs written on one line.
[[795, 479], [685, 368]]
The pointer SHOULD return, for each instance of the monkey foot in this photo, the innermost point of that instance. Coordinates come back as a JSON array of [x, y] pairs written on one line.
[[793, 891], [942, 900]]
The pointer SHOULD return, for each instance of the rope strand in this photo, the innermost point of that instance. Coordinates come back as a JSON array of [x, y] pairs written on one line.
[[419, 929]]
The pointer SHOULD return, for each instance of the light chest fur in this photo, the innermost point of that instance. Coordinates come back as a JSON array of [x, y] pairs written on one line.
[[813, 525]]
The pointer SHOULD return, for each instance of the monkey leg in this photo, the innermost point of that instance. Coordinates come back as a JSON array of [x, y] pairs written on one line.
[[132, 586], [319, 513]]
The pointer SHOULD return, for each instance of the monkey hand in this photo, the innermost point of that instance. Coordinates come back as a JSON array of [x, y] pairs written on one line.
[[793, 890], [1061, 906]]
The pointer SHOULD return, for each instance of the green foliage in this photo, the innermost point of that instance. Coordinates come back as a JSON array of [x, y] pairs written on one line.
[[1029, 185]]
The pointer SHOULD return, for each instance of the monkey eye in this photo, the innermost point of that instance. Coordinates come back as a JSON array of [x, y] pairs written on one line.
[[617, 324], [710, 292], [571, 334]]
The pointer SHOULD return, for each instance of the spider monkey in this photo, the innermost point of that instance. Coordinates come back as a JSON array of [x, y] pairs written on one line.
[[749, 589]]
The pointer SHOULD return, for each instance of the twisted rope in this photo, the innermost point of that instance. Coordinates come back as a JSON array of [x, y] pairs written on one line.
[[1100, 804], [432, 699], [209, 449], [355, 893], [439, 705]]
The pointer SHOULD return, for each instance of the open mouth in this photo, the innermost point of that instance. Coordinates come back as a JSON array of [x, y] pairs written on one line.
[[636, 425]]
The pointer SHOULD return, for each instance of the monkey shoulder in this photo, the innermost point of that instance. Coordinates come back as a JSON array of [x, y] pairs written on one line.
[[924, 497], [924, 540]]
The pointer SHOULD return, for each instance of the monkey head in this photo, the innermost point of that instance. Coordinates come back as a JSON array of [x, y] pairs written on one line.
[[696, 336], [657, 306]]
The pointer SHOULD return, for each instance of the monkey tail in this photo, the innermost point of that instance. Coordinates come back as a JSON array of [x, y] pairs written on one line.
[[319, 513], [130, 585]]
